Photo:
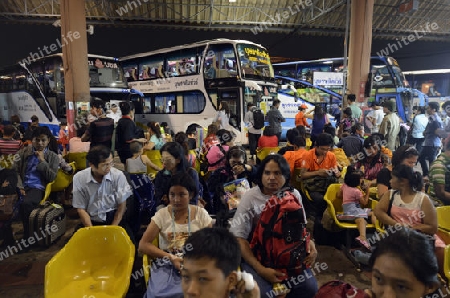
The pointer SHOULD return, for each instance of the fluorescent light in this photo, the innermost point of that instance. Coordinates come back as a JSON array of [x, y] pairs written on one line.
[[231, 1], [328, 62]]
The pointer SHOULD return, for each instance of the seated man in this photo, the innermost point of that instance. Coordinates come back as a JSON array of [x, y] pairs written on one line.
[[440, 177], [100, 191], [353, 144], [36, 166], [213, 254], [318, 170], [294, 158]]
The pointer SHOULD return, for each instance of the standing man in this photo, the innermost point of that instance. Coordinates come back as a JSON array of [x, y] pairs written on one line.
[[275, 118], [253, 133], [375, 117], [440, 177], [100, 191], [300, 118], [101, 130], [356, 111], [390, 126], [432, 142]]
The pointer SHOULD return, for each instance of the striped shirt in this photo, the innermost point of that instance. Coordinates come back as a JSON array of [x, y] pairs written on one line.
[[101, 131], [10, 146], [439, 170]]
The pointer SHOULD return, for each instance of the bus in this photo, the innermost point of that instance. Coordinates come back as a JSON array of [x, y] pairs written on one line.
[[185, 84], [37, 88], [385, 81], [434, 83]]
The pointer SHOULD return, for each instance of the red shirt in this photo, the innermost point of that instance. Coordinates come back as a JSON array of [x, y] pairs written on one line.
[[266, 141]]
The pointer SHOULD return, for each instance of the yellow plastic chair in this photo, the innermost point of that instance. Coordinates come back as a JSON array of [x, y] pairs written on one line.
[[443, 217], [79, 159], [147, 262], [334, 208], [308, 143], [61, 182], [155, 157], [96, 262], [6, 161], [261, 153], [447, 262]]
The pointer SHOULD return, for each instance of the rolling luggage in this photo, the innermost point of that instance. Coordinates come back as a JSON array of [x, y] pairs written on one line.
[[47, 223]]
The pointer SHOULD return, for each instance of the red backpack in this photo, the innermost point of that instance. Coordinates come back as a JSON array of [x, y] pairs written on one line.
[[280, 239], [339, 289]]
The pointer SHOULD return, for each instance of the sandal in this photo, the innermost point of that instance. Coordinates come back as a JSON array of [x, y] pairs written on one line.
[[364, 243]]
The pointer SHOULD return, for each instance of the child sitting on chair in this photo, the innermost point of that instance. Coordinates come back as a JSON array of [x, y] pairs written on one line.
[[353, 199], [137, 164]]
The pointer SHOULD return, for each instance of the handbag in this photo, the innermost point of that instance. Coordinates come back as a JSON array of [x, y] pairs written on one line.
[[7, 203], [165, 281], [339, 289], [319, 184]]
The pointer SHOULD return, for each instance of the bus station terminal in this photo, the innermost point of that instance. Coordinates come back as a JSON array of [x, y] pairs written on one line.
[[225, 149]]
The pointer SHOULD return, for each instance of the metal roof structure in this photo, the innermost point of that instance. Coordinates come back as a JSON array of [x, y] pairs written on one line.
[[304, 17]]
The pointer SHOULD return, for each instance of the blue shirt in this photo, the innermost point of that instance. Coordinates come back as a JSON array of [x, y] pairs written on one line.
[[431, 138], [33, 177]]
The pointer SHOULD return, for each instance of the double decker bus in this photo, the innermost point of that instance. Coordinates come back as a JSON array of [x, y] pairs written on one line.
[[185, 84], [435, 83], [385, 82], [37, 88]]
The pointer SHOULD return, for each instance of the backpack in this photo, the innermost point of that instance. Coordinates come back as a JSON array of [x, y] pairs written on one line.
[[280, 239], [339, 289], [258, 119]]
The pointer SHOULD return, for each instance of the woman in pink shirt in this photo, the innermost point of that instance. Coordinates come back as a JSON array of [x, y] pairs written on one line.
[[216, 155], [406, 205]]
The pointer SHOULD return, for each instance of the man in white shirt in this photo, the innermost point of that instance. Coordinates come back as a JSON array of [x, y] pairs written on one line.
[[375, 117], [100, 191], [114, 113]]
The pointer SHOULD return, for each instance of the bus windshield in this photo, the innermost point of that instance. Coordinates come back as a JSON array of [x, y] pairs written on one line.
[[255, 62], [105, 73]]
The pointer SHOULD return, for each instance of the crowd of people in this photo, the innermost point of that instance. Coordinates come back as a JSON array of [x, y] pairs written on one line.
[[190, 202]]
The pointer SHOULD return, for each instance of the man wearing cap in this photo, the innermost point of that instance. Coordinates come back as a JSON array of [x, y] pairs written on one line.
[[300, 117], [253, 133], [390, 126]]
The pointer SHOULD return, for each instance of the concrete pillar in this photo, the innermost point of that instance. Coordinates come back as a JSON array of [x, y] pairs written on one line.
[[360, 45], [75, 60]]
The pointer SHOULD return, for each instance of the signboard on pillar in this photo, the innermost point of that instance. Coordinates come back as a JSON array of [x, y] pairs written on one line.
[[362, 88]]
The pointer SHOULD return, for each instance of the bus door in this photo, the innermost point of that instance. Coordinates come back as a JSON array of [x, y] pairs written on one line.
[[232, 96]]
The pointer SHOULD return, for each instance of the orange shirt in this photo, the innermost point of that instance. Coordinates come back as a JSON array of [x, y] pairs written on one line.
[[310, 161], [294, 158], [300, 119]]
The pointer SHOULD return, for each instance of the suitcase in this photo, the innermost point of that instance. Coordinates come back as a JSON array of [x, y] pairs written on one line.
[[47, 223]]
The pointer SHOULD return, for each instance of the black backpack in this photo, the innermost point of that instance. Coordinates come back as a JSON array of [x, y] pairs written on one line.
[[258, 119]]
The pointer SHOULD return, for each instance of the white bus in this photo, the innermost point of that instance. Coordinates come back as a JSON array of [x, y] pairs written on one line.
[[37, 88], [185, 84]]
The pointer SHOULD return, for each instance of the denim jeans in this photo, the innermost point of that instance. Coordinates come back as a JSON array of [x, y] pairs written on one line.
[[428, 153]]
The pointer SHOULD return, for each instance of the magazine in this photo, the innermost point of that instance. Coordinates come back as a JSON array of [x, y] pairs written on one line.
[[234, 191]]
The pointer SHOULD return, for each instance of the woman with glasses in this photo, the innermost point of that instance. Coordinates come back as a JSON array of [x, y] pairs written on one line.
[[236, 167], [174, 161]]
